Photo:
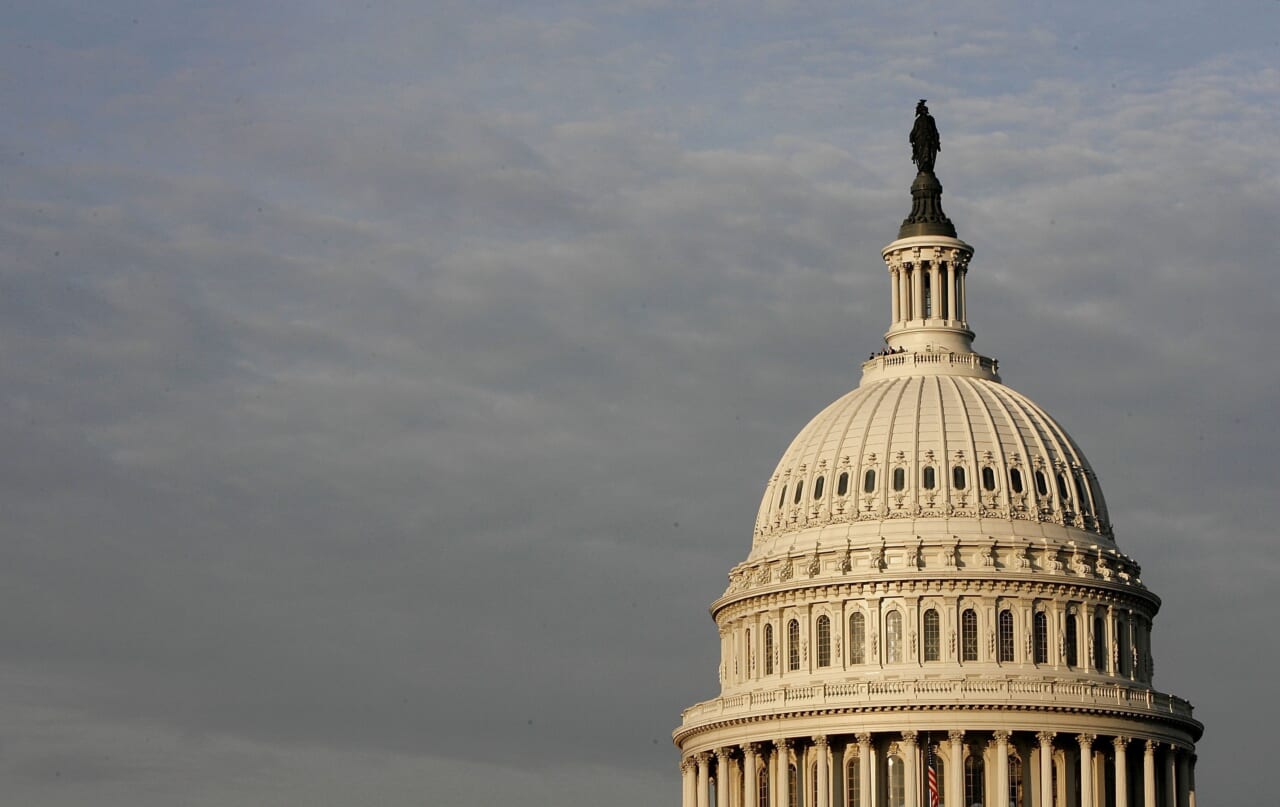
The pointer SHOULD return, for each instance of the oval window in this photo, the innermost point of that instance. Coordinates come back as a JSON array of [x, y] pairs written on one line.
[[817, 489], [988, 478], [1015, 480], [869, 481], [1080, 494], [1062, 487], [1042, 485], [957, 478], [783, 498], [842, 486], [899, 478], [799, 492], [930, 478]]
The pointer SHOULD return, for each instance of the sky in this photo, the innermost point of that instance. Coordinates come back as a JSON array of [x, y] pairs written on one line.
[[388, 386]]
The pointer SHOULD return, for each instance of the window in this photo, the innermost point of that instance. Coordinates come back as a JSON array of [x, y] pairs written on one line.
[[932, 636], [824, 641], [1040, 642], [1072, 642], [893, 637], [1015, 781], [930, 478], [1015, 480], [957, 478], [783, 498], [857, 638], [817, 488], [1042, 485], [1081, 498], [897, 781], [869, 481], [988, 478], [750, 666], [1006, 635], [899, 478], [1122, 642], [928, 295], [793, 787], [940, 768], [1099, 644], [1063, 493], [969, 635], [799, 491], [852, 784], [973, 779], [762, 786], [768, 650], [793, 645], [842, 486]]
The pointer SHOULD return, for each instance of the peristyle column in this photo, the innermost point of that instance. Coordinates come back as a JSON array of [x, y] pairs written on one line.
[[824, 775], [1002, 769], [722, 777], [1122, 771], [911, 762], [955, 769], [689, 780], [704, 776], [864, 770], [782, 765], [1149, 775], [1046, 768], [750, 773], [1086, 769]]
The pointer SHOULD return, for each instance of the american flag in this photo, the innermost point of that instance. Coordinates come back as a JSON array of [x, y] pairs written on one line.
[[933, 781]]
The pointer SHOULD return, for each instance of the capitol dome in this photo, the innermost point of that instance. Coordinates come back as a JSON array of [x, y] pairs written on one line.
[[934, 611]]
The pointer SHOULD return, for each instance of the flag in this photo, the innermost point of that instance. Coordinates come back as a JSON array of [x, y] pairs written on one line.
[[933, 780]]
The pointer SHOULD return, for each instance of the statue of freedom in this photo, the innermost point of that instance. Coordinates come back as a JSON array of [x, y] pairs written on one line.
[[925, 142]]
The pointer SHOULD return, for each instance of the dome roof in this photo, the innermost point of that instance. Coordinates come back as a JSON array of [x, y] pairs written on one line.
[[941, 452]]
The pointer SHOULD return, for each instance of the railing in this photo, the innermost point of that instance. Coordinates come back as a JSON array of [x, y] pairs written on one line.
[[963, 691], [917, 359]]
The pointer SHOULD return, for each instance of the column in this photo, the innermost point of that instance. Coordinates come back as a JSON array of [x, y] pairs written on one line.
[[750, 775], [1184, 789], [951, 289], [1191, 781], [689, 780], [893, 292], [911, 764], [955, 770], [1170, 777], [1149, 775], [1113, 640], [704, 764], [782, 761], [722, 777], [864, 770], [1122, 771], [962, 305], [1046, 768], [1086, 769], [1002, 770], [904, 292], [935, 291], [917, 290], [824, 775]]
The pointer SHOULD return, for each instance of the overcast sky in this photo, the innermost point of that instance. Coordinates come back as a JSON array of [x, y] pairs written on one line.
[[389, 386]]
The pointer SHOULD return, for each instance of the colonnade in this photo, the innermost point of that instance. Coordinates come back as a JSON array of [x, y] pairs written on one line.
[[928, 289], [996, 768]]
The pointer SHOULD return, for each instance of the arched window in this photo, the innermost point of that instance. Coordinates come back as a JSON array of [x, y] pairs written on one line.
[[897, 782], [1063, 493], [793, 787], [1042, 484], [750, 660], [817, 488], [973, 779], [768, 650], [988, 478], [1122, 645], [930, 478], [799, 492], [842, 485], [1016, 798], [893, 637], [940, 771], [1072, 641], [899, 478], [782, 499], [1006, 635], [1040, 637], [857, 638], [852, 784], [932, 636], [762, 786], [1081, 497], [1099, 644], [824, 641], [1015, 480], [793, 645], [969, 635], [957, 477], [869, 481]]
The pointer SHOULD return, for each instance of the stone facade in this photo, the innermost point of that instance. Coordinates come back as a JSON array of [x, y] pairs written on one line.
[[934, 601]]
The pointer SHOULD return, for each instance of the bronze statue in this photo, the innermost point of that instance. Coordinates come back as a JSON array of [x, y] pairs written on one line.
[[925, 142]]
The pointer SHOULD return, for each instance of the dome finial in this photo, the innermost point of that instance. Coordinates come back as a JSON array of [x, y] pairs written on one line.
[[926, 216]]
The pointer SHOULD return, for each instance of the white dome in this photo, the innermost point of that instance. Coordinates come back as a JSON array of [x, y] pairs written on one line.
[[948, 449]]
